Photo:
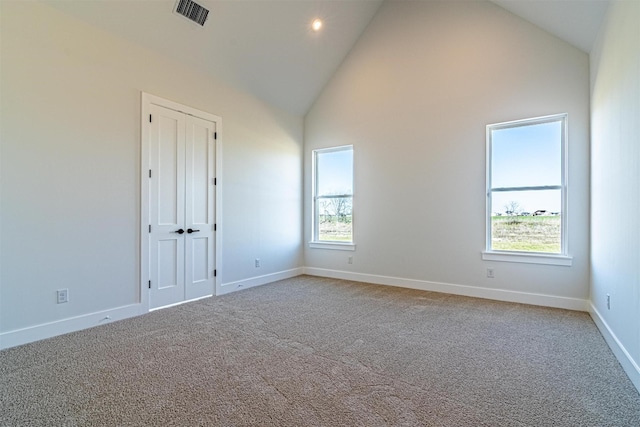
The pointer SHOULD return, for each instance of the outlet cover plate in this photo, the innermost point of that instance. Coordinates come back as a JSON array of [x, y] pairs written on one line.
[[62, 295]]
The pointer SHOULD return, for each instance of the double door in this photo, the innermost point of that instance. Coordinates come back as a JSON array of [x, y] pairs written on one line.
[[181, 151]]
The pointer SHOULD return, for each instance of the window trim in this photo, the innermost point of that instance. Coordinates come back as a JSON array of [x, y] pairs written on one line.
[[327, 244], [561, 258]]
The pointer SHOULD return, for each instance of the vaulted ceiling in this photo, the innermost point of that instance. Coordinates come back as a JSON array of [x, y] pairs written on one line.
[[267, 47], [576, 21]]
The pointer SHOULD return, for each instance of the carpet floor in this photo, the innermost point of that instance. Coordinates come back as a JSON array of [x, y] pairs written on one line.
[[313, 351]]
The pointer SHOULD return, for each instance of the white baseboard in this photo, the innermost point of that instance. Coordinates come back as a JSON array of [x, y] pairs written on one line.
[[257, 281], [628, 364], [64, 326], [59, 327], [51, 329], [448, 288]]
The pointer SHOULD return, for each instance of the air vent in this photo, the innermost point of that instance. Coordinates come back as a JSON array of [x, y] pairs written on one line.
[[192, 11]]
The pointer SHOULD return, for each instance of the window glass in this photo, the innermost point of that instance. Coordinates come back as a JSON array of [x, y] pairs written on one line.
[[334, 172], [527, 155], [333, 195], [334, 222], [526, 186], [518, 225]]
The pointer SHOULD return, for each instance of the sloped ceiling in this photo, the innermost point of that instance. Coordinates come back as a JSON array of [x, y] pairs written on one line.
[[267, 47], [574, 21]]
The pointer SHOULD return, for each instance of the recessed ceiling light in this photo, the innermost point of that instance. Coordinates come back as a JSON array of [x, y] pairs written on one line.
[[316, 24]]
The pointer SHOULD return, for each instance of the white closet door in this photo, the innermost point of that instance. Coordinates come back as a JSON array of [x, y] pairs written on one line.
[[199, 207], [181, 206], [166, 210]]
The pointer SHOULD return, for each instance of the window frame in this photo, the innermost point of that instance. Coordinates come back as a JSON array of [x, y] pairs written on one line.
[[327, 244], [562, 258]]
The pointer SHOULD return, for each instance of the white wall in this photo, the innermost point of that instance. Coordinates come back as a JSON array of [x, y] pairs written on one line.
[[70, 169], [414, 97], [615, 183]]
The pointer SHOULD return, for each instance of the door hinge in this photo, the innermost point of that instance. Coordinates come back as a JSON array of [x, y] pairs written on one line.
[[215, 135], [215, 227], [149, 284], [149, 118], [215, 181], [149, 173], [215, 273], [149, 228]]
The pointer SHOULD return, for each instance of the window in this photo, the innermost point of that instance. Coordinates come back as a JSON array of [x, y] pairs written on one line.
[[526, 191], [333, 198]]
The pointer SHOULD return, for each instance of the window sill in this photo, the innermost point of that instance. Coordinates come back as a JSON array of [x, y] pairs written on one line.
[[336, 246], [528, 258]]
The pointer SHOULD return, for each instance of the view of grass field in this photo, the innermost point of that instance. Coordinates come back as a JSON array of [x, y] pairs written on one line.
[[508, 233], [526, 233], [335, 228]]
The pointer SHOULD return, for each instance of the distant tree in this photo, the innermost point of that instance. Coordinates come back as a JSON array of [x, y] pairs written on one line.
[[341, 207], [338, 208], [512, 208]]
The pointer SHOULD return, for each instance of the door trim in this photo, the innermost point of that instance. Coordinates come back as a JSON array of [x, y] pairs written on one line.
[[146, 101]]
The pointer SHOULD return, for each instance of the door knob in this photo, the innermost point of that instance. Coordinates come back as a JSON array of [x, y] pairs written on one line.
[[192, 231], [181, 231]]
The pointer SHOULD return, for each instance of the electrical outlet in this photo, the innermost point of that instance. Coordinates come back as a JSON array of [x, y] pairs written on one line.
[[63, 295], [490, 273], [257, 262], [350, 260], [608, 302]]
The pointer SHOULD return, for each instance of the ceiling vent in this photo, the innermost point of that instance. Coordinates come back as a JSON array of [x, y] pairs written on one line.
[[192, 11]]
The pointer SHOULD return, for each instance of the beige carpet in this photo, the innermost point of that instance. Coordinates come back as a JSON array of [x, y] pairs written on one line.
[[322, 352]]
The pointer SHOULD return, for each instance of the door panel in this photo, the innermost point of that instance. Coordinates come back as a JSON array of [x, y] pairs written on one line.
[[200, 262], [199, 172], [169, 269], [167, 198], [169, 168], [199, 206]]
